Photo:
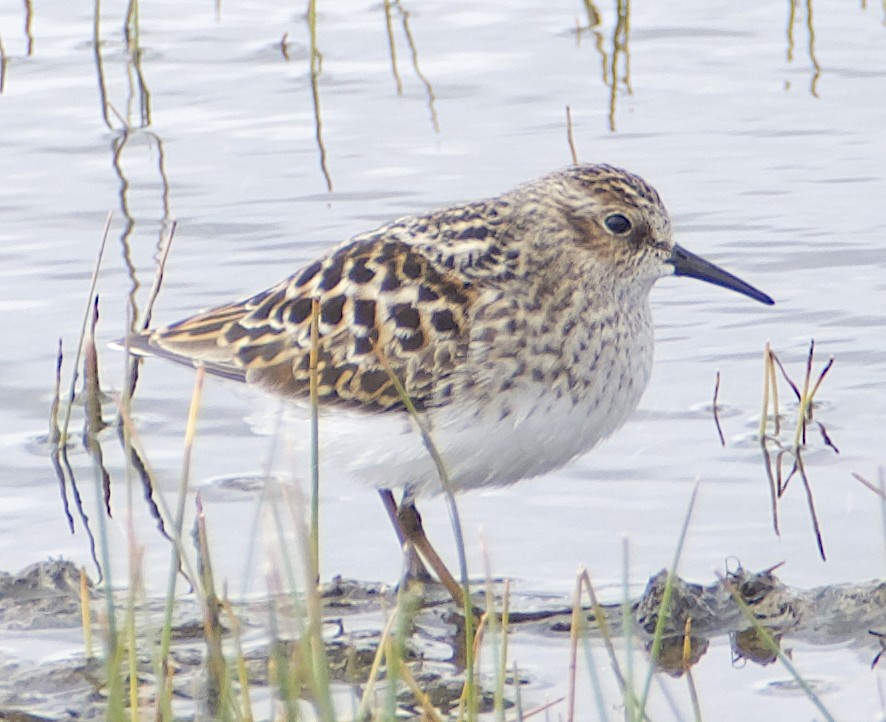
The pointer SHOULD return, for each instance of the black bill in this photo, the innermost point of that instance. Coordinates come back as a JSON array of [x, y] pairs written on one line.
[[688, 264]]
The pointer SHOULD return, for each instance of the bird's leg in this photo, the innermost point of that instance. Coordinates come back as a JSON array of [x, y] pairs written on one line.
[[415, 568], [410, 532], [410, 524]]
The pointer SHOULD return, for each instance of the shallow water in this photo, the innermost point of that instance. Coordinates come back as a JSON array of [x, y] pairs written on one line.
[[768, 166]]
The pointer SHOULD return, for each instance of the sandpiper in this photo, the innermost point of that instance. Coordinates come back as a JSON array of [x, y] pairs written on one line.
[[519, 326]]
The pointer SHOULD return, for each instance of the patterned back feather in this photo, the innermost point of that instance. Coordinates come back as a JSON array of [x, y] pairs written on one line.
[[380, 293]]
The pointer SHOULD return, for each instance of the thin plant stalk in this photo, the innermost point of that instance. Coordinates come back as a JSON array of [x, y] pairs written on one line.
[[427, 707], [764, 414], [805, 401], [605, 633], [773, 647], [312, 644], [316, 62], [499, 692], [315, 440], [217, 693], [374, 669], [468, 690], [112, 642], [186, 568], [664, 609], [868, 485], [824, 372], [136, 556], [3, 61], [497, 626], [573, 655], [136, 551], [278, 667], [115, 706], [393, 655], [166, 246], [633, 710], [881, 483], [773, 484], [86, 316], [242, 673], [455, 520], [113, 646], [262, 500], [413, 49], [392, 46], [603, 626], [578, 632], [811, 504], [518, 697], [773, 385], [570, 138], [441, 471], [85, 614], [540, 708], [57, 449], [715, 409], [174, 563], [687, 668], [131, 28]]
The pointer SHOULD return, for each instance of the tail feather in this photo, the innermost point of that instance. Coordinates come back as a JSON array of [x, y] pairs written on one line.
[[144, 345]]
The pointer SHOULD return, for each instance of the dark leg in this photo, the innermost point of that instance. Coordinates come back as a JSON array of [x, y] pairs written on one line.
[[407, 524], [410, 522], [415, 568]]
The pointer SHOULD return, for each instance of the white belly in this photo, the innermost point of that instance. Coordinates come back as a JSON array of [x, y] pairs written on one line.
[[479, 447]]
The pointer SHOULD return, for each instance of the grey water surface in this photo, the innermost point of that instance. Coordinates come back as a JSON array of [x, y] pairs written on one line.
[[764, 131]]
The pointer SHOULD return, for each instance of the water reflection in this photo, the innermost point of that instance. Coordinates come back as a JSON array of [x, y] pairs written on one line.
[[620, 51], [783, 434], [615, 67], [29, 32], [316, 61], [97, 407], [750, 645], [29, 42], [131, 124], [678, 655], [392, 47], [778, 454], [810, 43], [91, 398], [138, 161], [2, 66], [284, 46], [118, 145], [413, 50], [46, 597], [134, 67], [136, 84], [755, 611], [881, 638]]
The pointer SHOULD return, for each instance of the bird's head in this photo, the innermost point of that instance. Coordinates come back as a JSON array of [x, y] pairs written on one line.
[[620, 224]]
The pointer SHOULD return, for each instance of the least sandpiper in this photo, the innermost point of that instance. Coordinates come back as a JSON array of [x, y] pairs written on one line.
[[519, 327]]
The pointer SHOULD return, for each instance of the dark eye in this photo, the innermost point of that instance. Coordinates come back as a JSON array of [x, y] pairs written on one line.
[[617, 223]]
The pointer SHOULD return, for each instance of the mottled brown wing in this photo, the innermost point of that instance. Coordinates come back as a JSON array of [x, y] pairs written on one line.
[[373, 293]]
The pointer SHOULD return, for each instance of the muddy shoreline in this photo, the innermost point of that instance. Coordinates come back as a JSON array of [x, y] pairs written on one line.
[[40, 607]]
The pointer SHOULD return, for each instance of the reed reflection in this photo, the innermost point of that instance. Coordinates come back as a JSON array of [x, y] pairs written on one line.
[[810, 43], [615, 66], [389, 7]]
